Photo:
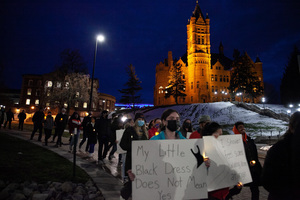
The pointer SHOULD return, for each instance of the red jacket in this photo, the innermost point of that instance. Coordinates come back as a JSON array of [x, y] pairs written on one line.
[[195, 135]]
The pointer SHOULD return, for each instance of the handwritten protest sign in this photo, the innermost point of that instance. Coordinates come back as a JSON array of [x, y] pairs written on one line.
[[119, 134], [168, 169], [174, 169], [228, 161]]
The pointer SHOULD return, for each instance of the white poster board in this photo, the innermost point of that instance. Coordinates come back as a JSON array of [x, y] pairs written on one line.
[[188, 134], [228, 164], [119, 134], [167, 169]]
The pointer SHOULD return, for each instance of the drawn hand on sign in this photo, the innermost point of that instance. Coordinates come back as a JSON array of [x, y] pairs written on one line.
[[198, 156]]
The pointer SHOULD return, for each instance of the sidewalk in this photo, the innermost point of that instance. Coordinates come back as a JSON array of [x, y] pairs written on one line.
[[106, 176]]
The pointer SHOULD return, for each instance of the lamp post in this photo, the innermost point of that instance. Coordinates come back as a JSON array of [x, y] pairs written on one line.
[[100, 38], [263, 101]]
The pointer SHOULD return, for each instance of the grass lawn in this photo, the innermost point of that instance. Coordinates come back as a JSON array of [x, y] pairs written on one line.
[[23, 161]]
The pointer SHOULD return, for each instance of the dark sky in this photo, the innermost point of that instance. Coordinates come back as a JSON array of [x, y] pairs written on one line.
[[139, 32]]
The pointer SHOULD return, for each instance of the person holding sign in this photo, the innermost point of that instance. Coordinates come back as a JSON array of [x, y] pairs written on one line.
[[214, 129], [136, 132], [170, 126], [252, 158]]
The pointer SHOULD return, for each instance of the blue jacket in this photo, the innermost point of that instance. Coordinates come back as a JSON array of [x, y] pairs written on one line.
[[161, 136]]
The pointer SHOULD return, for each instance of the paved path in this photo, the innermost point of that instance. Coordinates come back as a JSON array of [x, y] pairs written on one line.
[[108, 183], [107, 176]]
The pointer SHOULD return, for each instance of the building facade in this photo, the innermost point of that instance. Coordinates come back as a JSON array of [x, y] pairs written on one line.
[[206, 74], [36, 88]]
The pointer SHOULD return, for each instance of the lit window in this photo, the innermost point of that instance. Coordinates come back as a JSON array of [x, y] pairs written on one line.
[[29, 91], [58, 84], [212, 77], [67, 84], [77, 94], [49, 84], [76, 104], [27, 101], [85, 105], [48, 104], [65, 105], [37, 102], [48, 93]]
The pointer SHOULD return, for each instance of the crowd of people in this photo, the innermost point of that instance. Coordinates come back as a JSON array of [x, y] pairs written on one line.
[[279, 175]]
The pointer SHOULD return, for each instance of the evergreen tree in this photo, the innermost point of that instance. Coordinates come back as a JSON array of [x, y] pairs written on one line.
[[243, 77], [176, 87], [132, 88], [289, 88]]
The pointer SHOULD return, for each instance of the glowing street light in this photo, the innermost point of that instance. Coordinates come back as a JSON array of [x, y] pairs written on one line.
[[100, 38], [263, 101]]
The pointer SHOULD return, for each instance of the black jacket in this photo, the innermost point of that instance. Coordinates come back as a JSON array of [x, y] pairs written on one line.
[[38, 117], [103, 128], [126, 141], [61, 121], [91, 133]]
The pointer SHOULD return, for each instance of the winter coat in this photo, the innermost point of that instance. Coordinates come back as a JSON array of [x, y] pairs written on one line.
[[22, 116], [48, 122], [85, 122], [9, 115], [74, 123], [91, 133], [38, 117], [126, 143], [103, 128], [61, 121], [279, 177], [152, 131]]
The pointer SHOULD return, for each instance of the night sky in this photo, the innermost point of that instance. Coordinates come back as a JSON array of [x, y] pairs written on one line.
[[139, 32]]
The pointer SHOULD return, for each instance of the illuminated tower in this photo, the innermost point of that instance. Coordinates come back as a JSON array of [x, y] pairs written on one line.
[[198, 57]]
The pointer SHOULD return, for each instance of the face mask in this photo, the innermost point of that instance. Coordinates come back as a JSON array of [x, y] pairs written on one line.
[[140, 123], [173, 125], [187, 125]]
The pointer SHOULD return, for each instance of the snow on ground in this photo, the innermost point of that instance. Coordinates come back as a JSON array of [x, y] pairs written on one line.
[[226, 114]]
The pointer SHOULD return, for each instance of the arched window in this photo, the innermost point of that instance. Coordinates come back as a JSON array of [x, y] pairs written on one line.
[[212, 77]]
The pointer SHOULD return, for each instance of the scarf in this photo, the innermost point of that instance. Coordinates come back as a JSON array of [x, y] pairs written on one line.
[[235, 131]]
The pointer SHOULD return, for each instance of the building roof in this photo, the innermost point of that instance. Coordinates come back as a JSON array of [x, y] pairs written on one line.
[[197, 12], [225, 61]]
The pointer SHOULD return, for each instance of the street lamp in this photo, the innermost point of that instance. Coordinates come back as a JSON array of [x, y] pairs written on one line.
[[100, 38], [263, 101]]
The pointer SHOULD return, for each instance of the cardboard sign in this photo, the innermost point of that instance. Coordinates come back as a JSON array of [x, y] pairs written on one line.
[[228, 164], [174, 169], [168, 169], [119, 135]]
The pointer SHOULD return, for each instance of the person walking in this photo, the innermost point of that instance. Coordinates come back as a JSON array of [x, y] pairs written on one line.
[[22, 116], [74, 130], [38, 119], [115, 125], [86, 120], [137, 132], [10, 117], [104, 130], [280, 175], [48, 125], [2, 117], [60, 123], [91, 134], [252, 158]]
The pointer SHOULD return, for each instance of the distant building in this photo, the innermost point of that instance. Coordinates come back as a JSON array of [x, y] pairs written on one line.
[[207, 74], [9, 98], [35, 88]]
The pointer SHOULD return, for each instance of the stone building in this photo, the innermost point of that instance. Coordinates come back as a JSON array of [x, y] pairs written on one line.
[[206, 74]]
